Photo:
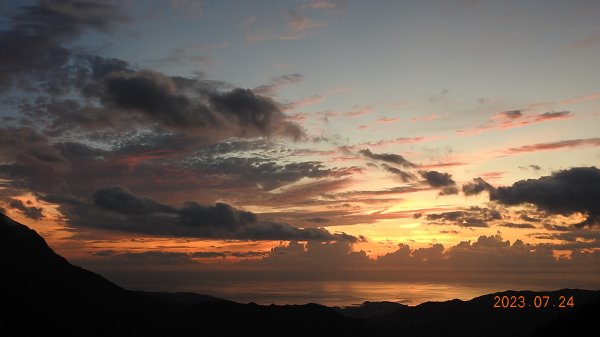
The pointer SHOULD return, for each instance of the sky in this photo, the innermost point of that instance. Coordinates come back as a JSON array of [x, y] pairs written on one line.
[[169, 145]]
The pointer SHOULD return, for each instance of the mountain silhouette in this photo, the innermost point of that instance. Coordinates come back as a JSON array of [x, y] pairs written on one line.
[[42, 293]]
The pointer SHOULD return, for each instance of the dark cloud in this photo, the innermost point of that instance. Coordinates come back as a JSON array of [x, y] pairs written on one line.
[[532, 167], [248, 254], [449, 190], [437, 179], [317, 220], [208, 254], [112, 94], [147, 258], [517, 225], [27, 147], [28, 161], [512, 113], [158, 258], [267, 173], [387, 157], [33, 43], [404, 176], [31, 212], [116, 208], [551, 115], [576, 190], [213, 113], [528, 218], [458, 218], [477, 186], [469, 217], [560, 228], [117, 199], [253, 115]]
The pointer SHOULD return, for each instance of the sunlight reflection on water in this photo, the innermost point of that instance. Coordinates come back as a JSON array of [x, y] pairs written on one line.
[[342, 293]]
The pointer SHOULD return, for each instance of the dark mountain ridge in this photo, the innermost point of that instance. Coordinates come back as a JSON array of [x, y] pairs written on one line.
[[42, 293]]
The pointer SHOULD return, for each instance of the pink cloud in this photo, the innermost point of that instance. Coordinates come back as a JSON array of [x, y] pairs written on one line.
[[298, 23], [441, 165], [385, 120], [586, 42], [572, 143], [296, 26], [358, 111], [513, 119], [578, 99], [401, 140], [425, 118], [492, 175]]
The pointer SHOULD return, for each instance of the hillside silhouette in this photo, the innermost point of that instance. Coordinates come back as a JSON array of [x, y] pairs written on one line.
[[42, 294]]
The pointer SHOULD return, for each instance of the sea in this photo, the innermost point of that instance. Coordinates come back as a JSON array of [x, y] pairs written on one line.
[[343, 293]]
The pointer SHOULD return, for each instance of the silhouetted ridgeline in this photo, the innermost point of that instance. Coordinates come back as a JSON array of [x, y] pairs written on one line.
[[44, 294]]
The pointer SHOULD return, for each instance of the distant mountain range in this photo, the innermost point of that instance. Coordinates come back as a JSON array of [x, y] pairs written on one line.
[[43, 294]]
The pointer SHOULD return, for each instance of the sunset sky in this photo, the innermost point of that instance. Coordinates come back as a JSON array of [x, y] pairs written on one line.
[[171, 144]]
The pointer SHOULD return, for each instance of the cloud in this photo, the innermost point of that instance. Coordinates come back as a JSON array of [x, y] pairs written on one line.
[[33, 43], [26, 154], [317, 220], [551, 115], [404, 176], [437, 179], [162, 258], [31, 212], [449, 190], [118, 209], [387, 157], [321, 4], [572, 143], [517, 225], [528, 218], [551, 227], [579, 99], [478, 260], [221, 114], [120, 200], [532, 166], [565, 192], [585, 42], [27, 147], [512, 114], [477, 186], [105, 93], [276, 83], [425, 118], [468, 217], [154, 258], [181, 56], [297, 24], [267, 173], [400, 140], [513, 119]]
